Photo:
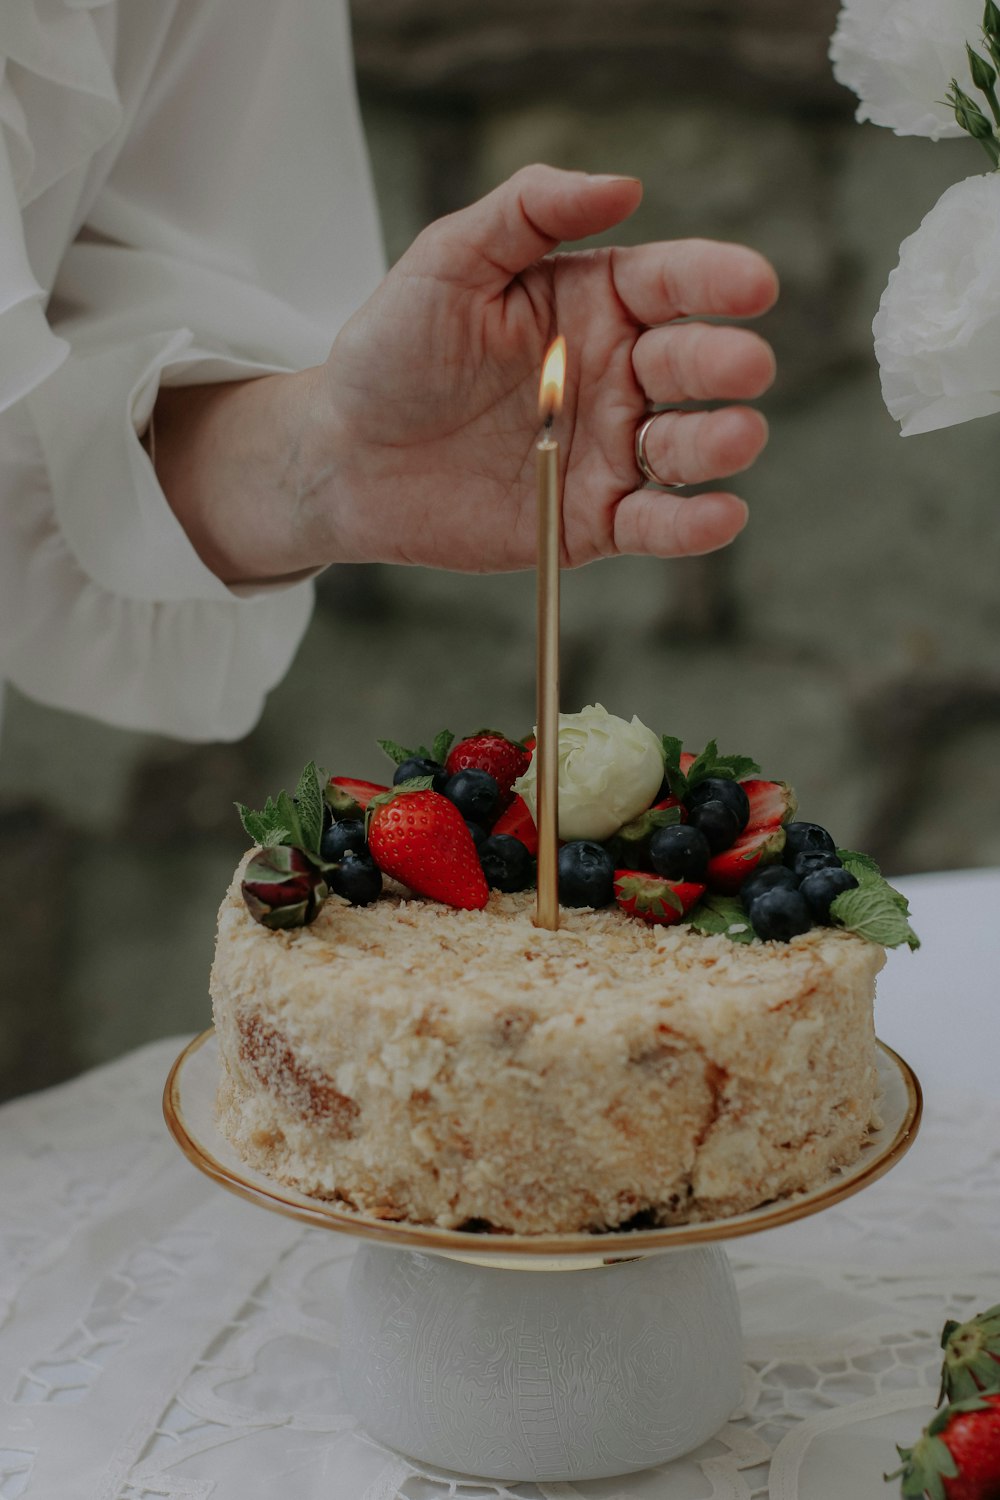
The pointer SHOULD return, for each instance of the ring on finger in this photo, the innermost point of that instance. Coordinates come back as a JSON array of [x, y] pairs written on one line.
[[645, 467]]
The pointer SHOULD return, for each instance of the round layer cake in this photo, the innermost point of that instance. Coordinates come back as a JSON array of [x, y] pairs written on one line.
[[465, 1068]]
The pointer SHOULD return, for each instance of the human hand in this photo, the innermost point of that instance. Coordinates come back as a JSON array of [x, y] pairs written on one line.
[[432, 387], [414, 442]]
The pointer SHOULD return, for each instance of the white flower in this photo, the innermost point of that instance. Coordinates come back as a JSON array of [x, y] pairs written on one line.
[[609, 772], [899, 56], [937, 331]]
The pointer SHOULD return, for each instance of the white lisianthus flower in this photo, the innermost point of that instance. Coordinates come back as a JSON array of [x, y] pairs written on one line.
[[899, 56], [609, 772], [937, 330]]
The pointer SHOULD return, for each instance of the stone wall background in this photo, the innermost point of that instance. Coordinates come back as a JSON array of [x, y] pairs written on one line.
[[849, 639]]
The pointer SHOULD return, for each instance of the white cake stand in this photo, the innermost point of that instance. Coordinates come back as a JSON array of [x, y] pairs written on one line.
[[464, 1350]]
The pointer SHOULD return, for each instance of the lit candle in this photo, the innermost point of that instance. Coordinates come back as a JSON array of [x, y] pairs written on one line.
[[550, 395]]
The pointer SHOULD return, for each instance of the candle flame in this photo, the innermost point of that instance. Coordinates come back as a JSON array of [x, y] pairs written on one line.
[[550, 391]]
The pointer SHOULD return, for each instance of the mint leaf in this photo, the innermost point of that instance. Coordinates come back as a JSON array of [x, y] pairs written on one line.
[[442, 744], [676, 779], [867, 873], [724, 767], [722, 915], [874, 912], [309, 806], [395, 752], [262, 828]]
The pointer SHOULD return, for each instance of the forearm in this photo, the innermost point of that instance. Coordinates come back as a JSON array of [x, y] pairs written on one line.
[[248, 467]]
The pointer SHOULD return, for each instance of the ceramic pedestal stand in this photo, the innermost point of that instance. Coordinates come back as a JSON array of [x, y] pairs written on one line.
[[544, 1357]]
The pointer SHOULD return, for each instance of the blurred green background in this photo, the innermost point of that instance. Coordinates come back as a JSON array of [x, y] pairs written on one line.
[[848, 640]]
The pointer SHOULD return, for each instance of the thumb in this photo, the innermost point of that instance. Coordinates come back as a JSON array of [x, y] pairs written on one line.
[[494, 239]]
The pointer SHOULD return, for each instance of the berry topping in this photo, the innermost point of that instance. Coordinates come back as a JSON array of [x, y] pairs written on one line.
[[655, 899], [823, 886], [415, 766], [282, 888], [800, 837], [680, 853], [718, 822], [770, 802], [475, 794], [357, 878], [767, 878], [518, 822], [811, 860], [420, 838], [586, 874], [348, 798], [719, 789], [728, 870], [339, 837], [629, 847], [506, 863], [780, 914], [477, 830], [503, 759]]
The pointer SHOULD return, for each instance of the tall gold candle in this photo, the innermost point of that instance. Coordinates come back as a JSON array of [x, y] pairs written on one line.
[[547, 679]]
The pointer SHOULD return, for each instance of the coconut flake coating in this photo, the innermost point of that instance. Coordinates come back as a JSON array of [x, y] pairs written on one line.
[[467, 1068]]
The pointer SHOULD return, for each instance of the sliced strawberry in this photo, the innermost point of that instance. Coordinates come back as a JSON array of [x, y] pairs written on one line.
[[771, 802], [348, 798], [519, 824], [653, 899], [666, 803], [728, 870], [501, 758], [422, 839], [687, 761]]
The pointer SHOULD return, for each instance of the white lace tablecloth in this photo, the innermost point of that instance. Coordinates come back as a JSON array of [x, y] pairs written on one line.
[[161, 1338]]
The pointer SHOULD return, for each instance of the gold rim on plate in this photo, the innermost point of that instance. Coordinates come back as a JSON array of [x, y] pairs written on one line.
[[190, 1090]]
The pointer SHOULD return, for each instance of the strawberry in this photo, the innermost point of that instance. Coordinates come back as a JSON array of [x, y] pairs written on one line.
[[421, 838], [654, 899], [771, 802], [971, 1356], [519, 824], [957, 1456], [728, 869], [347, 798], [505, 760]]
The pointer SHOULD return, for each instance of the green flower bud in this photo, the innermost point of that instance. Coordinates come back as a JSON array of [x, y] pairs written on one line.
[[991, 20], [968, 114], [983, 76]]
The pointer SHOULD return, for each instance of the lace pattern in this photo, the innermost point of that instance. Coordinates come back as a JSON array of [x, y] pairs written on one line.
[[162, 1340]]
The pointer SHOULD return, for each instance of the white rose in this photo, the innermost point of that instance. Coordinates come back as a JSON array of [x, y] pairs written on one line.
[[937, 330], [899, 56], [609, 772]]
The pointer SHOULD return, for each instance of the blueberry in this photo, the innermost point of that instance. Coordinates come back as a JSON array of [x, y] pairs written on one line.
[[811, 860], [421, 765], [721, 789], [339, 837], [586, 874], [717, 821], [506, 863], [780, 914], [474, 793], [477, 830], [359, 878], [679, 852], [822, 887], [802, 837], [767, 878]]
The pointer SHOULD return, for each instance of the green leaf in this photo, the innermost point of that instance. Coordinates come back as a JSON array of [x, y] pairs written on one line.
[[676, 779], [722, 915], [309, 806], [724, 767], [442, 744], [264, 828], [873, 912], [395, 752]]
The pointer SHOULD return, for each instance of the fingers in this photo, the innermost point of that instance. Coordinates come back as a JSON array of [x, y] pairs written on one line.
[[690, 447], [681, 278], [527, 216], [702, 362], [653, 524]]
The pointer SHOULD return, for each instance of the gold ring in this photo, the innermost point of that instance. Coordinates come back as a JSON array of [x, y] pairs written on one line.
[[645, 469]]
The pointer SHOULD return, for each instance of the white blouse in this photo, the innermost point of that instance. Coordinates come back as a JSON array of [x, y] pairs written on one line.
[[184, 198]]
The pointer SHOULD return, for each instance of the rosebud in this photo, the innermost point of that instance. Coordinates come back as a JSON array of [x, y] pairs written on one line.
[[991, 21], [282, 888]]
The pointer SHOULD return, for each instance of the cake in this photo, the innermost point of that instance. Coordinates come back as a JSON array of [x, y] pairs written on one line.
[[653, 1061]]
